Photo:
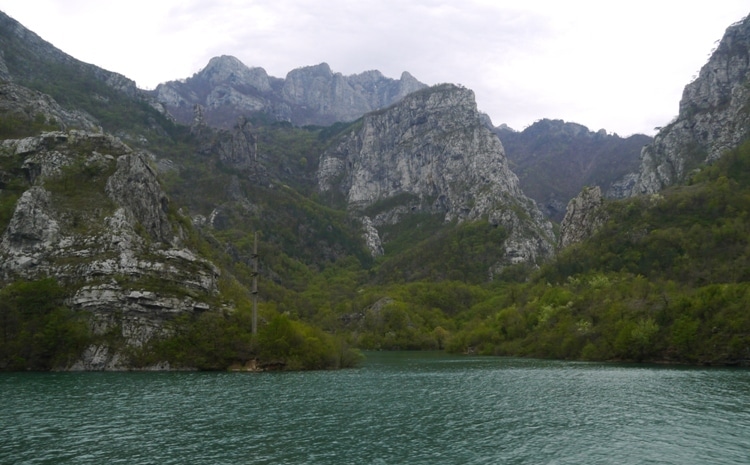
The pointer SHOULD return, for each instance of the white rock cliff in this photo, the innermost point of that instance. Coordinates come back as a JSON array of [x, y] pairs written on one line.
[[431, 153]]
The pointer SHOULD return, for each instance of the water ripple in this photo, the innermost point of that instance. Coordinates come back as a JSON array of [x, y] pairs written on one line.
[[400, 408]]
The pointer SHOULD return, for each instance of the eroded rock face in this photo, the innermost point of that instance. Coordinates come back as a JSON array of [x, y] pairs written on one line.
[[583, 216], [28, 105], [432, 153], [372, 238], [134, 185], [713, 116], [95, 218], [317, 95], [228, 89]]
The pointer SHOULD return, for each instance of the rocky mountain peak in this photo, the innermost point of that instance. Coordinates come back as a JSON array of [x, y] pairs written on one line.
[[39, 54], [713, 116], [431, 153], [228, 70], [310, 95]]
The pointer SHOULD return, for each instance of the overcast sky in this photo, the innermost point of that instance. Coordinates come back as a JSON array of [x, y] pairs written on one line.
[[618, 66]]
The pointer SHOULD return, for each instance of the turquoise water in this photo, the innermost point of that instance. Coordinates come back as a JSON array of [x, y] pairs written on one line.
[[399, 408]]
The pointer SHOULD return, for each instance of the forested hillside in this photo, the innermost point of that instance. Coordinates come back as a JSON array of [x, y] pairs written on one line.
[[666, 279]]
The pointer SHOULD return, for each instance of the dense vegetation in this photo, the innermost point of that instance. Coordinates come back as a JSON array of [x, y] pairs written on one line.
[[38, 331], [666, 279]]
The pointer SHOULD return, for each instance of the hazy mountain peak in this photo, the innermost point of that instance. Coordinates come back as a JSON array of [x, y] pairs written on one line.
[[316, 95]]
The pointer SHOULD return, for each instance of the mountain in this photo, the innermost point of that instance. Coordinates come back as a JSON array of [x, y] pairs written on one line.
[[714, 117], [312, 95], [431, 153], [128, 238], [27, 58], [99, 268], [93, 215], [555, 159]]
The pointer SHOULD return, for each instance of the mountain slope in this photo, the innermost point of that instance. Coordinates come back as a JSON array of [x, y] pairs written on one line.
[[94, 251], [431, 154]]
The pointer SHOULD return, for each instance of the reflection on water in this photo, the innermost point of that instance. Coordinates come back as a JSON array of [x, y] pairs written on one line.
[[399, 408]]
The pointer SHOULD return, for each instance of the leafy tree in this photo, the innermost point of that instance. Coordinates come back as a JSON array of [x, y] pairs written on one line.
[[38, 331]]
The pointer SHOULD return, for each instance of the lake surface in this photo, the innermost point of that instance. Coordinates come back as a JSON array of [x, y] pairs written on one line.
[[399, 408]]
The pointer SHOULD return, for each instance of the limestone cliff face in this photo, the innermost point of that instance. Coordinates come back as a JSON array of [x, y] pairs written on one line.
[[431, 153], [320, 96], [94, 216], [27, 106], [714, 116], [583, 216], [228, 89]]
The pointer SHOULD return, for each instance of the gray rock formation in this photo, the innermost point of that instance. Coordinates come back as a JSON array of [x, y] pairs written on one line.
[[713, 116], [239, 150], [235, 148], [372, 238], [320, 96], [28, 106], [95, 218], [431, 153], [583, 216], [150, 206], [228, 89]]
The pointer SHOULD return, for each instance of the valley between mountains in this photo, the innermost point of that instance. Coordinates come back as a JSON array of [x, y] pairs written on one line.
[[368, 212]]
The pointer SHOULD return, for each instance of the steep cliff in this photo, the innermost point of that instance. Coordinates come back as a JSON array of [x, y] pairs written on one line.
[[310, 95], [90, 212], [431, 153], [714, 116], [584, 215]]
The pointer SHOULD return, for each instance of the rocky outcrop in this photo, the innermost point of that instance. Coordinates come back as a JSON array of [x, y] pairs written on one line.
[[95, 218], [317, 95], [235, 148], [239, 150], [714, 116], [28, 107], [150, 206], [431, 153], [555, 159], [372, 238], [583, 216], [228, 89]]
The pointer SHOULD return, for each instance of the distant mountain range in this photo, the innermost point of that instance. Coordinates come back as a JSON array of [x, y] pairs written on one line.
[[313, 95], [554, 160]]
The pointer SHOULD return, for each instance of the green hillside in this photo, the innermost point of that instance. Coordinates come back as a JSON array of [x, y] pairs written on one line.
[[666, 279]]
